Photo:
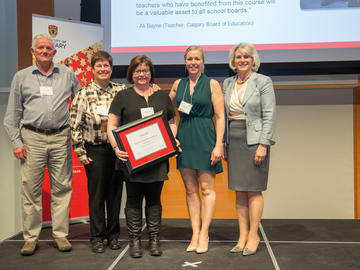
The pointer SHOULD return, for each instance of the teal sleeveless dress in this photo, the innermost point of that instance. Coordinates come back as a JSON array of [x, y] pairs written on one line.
[[196, 131]]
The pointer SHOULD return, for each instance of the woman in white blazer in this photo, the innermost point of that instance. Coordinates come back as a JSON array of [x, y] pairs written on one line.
[[250, 110]]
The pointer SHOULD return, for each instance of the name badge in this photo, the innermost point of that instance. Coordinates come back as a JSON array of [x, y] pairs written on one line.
[[146, 111], [185, 107], [46, 90], [102, 110]]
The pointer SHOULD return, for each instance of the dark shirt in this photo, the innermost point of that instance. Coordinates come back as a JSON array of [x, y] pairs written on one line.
[[127, 105]]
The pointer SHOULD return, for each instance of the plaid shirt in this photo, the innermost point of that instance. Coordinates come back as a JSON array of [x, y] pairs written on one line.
[[88, 115]]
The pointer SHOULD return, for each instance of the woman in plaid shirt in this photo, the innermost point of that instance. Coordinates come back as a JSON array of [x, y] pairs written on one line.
[[89, 114]]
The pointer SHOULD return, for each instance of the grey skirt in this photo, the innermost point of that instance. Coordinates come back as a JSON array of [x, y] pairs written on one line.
[[243, 174]]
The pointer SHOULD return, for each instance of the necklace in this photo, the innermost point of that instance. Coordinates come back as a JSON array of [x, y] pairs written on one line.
[[145, 93], [241, 81]]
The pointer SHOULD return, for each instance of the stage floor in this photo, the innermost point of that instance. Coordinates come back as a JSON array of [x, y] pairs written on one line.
[[285, 244]]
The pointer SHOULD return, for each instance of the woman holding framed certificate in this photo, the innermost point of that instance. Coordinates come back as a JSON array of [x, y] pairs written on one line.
[[136, 102], [198, 99]]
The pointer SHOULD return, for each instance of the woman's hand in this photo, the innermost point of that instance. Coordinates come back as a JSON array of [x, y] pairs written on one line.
[[217, 100], [225, 152], [123, 156], [217, 154], [86, 161], [155, 87], [260, 154], [178, 145]]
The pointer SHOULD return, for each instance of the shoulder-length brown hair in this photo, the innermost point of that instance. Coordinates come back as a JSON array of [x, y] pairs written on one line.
[[137, 60]]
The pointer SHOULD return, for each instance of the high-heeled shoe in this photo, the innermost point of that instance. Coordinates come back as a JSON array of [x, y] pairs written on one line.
[[190, 248], [236, 249], [200, 250], [248, 252]]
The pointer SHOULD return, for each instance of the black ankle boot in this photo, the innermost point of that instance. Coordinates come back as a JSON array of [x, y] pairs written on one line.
[[135, 248], [154, 247], [134, 222], [153, 223]]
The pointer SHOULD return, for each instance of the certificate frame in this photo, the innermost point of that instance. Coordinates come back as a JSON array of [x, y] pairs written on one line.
[[164, 146]]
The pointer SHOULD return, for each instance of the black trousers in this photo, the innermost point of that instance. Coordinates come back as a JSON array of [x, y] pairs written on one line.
[[105, 191], [137, 191]]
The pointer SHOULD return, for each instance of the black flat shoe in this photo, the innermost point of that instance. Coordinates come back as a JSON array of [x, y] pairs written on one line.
[[98, 247], [114, 244]]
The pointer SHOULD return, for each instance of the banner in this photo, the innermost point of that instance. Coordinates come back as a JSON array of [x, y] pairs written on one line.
[[75, 43]]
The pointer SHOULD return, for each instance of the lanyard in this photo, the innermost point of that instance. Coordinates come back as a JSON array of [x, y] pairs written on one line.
[[191, 96]]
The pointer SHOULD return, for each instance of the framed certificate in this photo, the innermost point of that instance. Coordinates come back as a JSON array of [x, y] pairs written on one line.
[[147, 141]]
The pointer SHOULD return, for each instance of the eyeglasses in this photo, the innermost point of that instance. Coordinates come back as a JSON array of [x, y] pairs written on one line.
[[139, 71]]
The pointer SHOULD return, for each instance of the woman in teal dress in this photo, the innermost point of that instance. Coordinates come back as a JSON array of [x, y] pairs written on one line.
[[198, 99]]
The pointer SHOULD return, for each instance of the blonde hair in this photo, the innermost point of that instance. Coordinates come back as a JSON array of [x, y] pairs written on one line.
[[247, 49], [196, 48]]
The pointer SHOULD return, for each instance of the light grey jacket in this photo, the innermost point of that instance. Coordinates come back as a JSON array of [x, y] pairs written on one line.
[[259, 108]]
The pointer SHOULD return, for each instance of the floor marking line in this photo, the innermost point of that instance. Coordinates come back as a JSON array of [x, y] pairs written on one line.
[[210, 241], [195, 264], [272, 256], [115, 262], [313, 242], [121, 255]]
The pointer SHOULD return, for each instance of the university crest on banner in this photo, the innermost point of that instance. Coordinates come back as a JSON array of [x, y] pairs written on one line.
[[53, 30]]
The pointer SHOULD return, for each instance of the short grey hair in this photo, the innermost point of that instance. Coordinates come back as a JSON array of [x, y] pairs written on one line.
[[248, 49], [45, 36]]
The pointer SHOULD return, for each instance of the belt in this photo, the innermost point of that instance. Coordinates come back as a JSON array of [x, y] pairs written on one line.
[[45, 131]]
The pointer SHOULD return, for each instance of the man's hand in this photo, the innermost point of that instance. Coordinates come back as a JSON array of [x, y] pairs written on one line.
[[20, 153]]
